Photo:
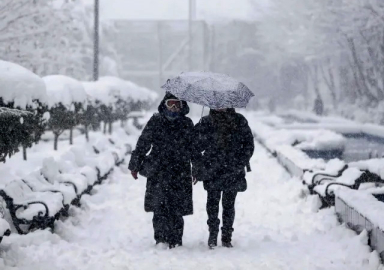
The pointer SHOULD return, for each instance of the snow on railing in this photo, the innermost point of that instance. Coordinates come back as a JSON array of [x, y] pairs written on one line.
[[361, 211]]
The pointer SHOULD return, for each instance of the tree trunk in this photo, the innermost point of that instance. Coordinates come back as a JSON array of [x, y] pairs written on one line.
[[360, 72], [105, 128], [71, 136], [110, 127], [55, 141], [24, 152], [86, 133], [330, 82]]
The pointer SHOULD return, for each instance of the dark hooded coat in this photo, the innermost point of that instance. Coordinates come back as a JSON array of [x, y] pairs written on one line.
[[223, 144], [169, 181]]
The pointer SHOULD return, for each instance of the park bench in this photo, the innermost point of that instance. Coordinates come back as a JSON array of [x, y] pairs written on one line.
[[325, 184], [39, 183], [313, 178], [31, 210], [5, 229], [42, 196]]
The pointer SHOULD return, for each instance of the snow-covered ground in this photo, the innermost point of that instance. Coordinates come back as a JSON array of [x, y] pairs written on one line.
[[276, 227]]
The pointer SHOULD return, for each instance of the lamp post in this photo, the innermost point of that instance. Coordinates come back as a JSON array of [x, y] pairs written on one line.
[[191, 17], [96, 43]]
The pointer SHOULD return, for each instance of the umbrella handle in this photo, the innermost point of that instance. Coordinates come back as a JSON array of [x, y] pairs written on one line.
[[202, 112]]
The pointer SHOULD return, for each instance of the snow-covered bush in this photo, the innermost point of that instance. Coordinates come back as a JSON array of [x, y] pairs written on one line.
[[66, 98], [102, 101], [129, 96], [116, 98], [22, 89], [89, 117], [14, 131]]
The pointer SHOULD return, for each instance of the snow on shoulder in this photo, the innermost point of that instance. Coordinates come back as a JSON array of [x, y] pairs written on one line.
[[19, 85], [64, 90]]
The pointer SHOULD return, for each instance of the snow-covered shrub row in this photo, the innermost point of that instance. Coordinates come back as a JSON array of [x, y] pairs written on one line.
[[22, 89], [115, 98], [60, 182], [66, 99], [60, 103]]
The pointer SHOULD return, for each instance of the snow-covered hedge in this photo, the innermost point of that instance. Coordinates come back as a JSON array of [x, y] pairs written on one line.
[[16, 129], [20, 86], [115, 98], [66, 100], [22, 89]]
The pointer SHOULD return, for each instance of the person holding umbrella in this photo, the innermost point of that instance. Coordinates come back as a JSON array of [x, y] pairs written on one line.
[[226, 142], [168, 137], [223, 144]]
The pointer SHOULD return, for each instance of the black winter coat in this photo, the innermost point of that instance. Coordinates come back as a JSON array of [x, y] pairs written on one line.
[[169, 187], [222, 168]]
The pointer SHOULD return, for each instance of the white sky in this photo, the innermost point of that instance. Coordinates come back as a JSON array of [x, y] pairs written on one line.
[[176, 9]]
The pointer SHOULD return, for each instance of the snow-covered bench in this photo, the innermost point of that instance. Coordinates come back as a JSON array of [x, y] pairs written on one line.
[[64, 173], [332, 170], [43, 195], [5, 229], [38, 183], [338, 175], [30, 209]]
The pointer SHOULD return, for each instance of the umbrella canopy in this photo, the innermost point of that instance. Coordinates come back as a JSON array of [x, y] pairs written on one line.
[[214, 90]]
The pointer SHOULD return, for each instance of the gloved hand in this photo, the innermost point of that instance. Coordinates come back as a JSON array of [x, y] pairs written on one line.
[[134, 175]]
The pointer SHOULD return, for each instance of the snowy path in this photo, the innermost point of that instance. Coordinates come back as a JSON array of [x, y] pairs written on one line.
[[275, 228]]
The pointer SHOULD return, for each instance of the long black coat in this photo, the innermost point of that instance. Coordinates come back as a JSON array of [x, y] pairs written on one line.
[[169, 188], [221, 168]]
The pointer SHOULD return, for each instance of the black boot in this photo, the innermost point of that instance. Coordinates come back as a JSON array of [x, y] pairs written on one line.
[[212, 240], [178, 244], [161, 242], [226, 237]]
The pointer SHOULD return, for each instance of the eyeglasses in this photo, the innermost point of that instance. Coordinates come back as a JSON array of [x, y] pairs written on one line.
[[174, 103]]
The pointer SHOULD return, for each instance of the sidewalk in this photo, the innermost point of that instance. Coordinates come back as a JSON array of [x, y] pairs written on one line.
[[276, 227]]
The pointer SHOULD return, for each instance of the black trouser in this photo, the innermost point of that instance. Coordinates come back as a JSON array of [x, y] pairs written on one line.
[[228, 203], [168, 228]]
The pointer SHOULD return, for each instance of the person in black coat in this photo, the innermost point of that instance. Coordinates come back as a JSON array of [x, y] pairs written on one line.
[[223, 146], [167, 136]]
